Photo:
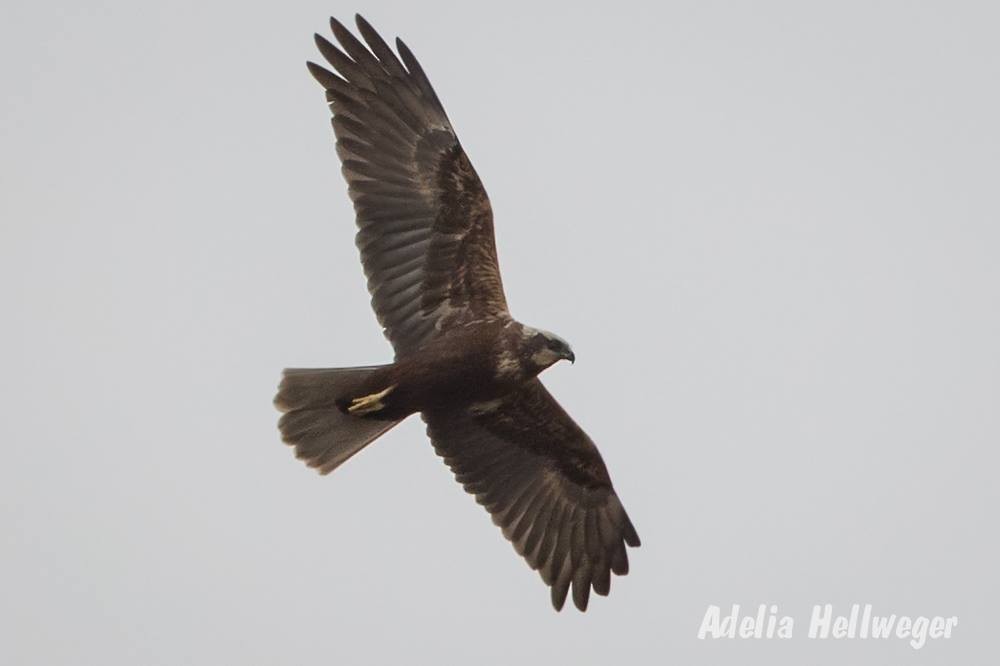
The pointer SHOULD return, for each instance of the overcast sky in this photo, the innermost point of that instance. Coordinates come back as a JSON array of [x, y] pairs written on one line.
[[769, 230]]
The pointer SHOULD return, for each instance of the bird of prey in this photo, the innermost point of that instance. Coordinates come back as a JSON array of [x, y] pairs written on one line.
[[425, 232]]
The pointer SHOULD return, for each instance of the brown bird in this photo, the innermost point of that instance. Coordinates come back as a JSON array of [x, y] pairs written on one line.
[[425, 231]]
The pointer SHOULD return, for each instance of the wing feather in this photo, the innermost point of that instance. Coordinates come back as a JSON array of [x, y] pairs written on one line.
[[543, 481], [425, 221]]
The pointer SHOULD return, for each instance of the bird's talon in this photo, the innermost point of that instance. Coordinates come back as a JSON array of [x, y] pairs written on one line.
[[368, 404]]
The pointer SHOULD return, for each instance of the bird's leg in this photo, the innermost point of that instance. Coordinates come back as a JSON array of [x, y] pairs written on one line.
[[368, 404]]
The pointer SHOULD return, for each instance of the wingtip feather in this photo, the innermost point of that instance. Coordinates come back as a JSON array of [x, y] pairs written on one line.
[[559, 590]]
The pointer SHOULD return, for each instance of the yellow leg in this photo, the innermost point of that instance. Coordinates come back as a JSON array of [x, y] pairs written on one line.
[[369, 404]]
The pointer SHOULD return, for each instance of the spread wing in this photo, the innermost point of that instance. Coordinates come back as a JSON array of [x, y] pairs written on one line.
[[425, 222], [543, 481]]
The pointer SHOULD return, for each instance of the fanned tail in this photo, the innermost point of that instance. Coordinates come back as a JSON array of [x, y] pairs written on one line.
[[322, 434]]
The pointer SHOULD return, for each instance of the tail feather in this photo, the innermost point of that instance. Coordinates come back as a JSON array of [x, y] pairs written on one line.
[[323, 435]]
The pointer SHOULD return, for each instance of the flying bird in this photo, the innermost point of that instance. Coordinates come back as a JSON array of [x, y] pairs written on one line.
[[425, 233]]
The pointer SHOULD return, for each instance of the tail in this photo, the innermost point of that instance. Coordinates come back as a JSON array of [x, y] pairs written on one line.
[[323, 435]]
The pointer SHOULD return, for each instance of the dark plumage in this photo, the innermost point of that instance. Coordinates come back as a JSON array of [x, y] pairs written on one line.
[[425, 232]]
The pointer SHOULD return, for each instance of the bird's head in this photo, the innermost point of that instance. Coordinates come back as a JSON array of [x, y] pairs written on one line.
[[544, 348]]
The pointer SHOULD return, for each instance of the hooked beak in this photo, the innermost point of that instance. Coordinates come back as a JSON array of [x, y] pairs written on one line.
[[570, 356]]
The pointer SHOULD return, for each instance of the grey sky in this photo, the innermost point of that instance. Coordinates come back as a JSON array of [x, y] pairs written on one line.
[[769, 230]]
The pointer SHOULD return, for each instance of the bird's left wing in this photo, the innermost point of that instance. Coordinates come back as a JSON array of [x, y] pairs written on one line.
[[425, 225], [544, 482]]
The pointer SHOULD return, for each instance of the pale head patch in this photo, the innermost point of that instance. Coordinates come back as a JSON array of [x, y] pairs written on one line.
[[545, 357]]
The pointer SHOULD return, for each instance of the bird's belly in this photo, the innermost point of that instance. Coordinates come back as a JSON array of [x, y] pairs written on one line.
[[445, 384], [460, 386]]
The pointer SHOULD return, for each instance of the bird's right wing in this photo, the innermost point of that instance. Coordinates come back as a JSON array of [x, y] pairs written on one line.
[[425, 222], [543, 481]]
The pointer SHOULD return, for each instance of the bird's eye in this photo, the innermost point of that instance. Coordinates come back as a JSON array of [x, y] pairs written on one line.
[[554, 345]]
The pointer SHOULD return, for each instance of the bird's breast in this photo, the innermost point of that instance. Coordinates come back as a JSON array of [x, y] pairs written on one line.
[[455, 372]]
